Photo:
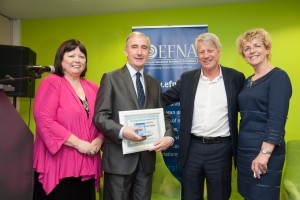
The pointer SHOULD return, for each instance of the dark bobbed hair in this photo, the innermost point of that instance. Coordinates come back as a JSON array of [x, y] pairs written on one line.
[[68, 46]]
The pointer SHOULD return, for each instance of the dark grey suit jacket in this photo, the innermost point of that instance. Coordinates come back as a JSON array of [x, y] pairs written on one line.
[[117, 93], [184, 92]]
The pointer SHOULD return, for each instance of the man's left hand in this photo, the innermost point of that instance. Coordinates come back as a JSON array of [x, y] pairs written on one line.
[[162, 144]]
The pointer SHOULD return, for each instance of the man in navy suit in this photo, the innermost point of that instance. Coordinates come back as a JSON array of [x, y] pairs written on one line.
[[209, 115], [129, 176]]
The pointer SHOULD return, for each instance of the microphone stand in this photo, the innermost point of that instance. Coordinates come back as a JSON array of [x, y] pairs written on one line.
[[9, 79]]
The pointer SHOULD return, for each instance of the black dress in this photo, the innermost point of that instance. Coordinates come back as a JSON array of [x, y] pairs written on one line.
[[264, 106]]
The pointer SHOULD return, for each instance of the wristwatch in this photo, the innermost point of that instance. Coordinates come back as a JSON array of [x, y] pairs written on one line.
[[265, 151]]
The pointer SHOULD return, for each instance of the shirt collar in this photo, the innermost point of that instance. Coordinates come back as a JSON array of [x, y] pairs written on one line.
[[133, 71], [216, 78]]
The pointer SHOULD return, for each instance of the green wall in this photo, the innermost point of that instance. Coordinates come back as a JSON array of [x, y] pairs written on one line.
[[104, 36]]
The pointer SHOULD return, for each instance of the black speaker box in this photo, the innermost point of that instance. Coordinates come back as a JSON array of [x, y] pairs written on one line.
[[13, 63]]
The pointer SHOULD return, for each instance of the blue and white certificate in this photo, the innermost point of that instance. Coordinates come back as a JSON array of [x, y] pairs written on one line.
[[152, 123]]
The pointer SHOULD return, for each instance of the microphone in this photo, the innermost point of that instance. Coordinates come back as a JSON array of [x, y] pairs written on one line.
[[7, 76], [41, 69]]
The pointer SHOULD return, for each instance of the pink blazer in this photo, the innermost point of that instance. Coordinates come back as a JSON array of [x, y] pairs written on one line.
[[58, 113]]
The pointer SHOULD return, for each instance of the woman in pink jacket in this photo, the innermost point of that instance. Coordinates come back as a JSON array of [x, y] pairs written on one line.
[[67, 144]]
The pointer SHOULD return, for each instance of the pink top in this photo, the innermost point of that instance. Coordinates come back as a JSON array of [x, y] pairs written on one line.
[[58, 113]]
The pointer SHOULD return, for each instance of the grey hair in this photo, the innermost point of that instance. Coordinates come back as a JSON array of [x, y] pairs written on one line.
[[208, 38], [137, 34]]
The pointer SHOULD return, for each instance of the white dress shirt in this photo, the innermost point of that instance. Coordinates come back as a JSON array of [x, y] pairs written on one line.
[[210, 116]]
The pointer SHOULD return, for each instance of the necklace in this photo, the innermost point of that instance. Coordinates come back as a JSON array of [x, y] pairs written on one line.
[[250, 83]]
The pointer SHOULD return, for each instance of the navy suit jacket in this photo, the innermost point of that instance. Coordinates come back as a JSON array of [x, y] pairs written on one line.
[[184, 92], [117, 93]]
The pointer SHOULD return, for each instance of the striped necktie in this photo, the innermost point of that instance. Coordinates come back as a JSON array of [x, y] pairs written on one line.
[[140, 91]]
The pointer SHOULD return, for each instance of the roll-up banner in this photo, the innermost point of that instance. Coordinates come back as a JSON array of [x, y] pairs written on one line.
[[172, 53]]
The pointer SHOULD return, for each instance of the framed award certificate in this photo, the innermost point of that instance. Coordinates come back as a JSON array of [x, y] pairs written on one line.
[[152, 124]]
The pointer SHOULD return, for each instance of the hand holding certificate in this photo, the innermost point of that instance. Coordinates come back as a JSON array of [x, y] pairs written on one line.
[[151, 123], [142, 131]]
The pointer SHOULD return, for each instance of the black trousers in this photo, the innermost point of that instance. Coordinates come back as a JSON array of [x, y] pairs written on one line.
[[71, 188], [211, 163]]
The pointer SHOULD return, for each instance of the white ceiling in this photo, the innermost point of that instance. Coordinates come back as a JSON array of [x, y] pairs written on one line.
[[36, 9]]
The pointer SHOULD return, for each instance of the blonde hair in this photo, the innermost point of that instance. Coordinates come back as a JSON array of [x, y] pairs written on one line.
[[257, 33], [208, 38]]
